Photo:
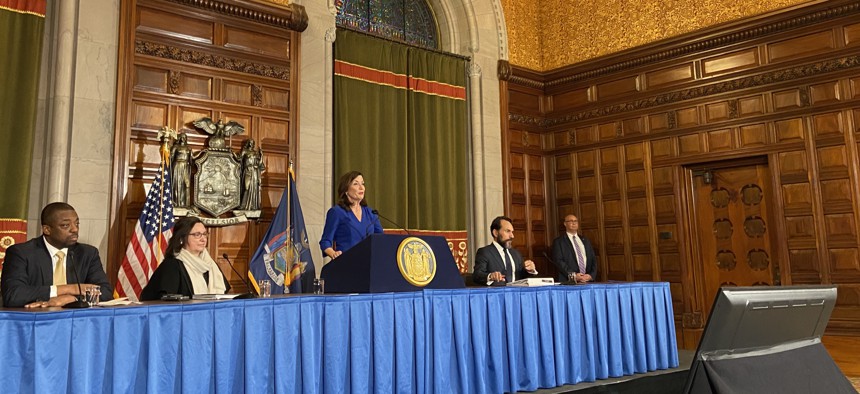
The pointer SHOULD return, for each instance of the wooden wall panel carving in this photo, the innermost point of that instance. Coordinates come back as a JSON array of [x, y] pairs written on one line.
[[730, 62], [617, 88], [587, 189], [803, 46], [670, 75], [631, 135], [749, 106], [754, 136], [181, 60], [581, 135]]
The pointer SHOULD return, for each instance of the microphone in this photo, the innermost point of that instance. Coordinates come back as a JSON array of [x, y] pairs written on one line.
[[375, 212], [80, 302], [568, 281], [249, 294]]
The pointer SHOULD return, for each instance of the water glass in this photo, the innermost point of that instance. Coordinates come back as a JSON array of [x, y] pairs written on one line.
[[319, 286], [265, 288], [571, 278], [93, 295]]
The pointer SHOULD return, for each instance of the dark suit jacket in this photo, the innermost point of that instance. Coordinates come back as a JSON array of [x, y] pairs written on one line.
[[344, 230], [564, 257], [28, 273], [170, 277], [488, 260]]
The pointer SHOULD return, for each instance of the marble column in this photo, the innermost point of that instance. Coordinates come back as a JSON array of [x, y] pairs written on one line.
[[65, 21], [315, 151], [479, 210], [76, 118]]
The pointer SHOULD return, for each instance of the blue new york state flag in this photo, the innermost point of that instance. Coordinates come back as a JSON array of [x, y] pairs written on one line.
[[284, 256]]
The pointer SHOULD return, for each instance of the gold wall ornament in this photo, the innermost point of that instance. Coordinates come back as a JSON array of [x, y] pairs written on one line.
[[568, 32], [416, 261], [523, 19]]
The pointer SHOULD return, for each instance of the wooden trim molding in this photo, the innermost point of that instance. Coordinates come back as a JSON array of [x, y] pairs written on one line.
[[169, 52], [763, 79], [519, 76], [296, 18], [504, 70]]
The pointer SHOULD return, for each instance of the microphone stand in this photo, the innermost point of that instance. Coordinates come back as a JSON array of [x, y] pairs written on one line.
[[375, 212], [247, 295], [568, 281], [80, 302]]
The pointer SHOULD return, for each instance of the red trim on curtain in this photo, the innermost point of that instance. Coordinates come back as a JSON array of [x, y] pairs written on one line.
[[437, 88], [370, 75], [12, 231], [398, 81], [35, 7]]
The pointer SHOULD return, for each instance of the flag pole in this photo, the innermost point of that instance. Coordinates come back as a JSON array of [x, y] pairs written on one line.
[[164, 135], [289, 244]]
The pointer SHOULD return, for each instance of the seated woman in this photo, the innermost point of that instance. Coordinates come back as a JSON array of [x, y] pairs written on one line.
[[351, 220], [187, 268]]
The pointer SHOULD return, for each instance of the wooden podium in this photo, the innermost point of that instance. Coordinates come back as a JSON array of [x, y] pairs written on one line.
[[371, 267]]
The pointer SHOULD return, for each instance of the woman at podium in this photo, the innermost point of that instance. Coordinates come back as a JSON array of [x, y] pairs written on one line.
[[351, 220], [187, 269]]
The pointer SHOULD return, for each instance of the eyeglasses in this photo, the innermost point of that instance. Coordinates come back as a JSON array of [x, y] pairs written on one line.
[[199, 235]]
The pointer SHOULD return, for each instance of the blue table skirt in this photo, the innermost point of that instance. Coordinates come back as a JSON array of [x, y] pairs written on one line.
[[437, 341]]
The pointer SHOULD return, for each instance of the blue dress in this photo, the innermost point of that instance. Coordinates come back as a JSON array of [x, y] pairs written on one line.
[[343, 230]]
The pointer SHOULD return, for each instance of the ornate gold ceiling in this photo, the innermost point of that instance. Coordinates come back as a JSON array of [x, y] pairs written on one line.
[[548, 34]]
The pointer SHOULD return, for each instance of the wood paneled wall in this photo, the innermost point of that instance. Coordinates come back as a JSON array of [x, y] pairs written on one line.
[[181, 60], [624, 141]]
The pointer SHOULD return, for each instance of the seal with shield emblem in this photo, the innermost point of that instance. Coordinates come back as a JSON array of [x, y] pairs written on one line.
[[219, 172], [416, 261]]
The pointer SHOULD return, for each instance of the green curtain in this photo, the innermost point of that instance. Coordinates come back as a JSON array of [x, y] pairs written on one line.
[[22, 24], [400, 119], [437, 181]]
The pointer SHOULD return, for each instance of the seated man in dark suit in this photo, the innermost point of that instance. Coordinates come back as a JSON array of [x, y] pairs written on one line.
[[43, 271], [573, 255], [497, 262]]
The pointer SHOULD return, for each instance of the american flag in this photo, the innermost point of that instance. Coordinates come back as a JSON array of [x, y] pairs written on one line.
[[151, 233]]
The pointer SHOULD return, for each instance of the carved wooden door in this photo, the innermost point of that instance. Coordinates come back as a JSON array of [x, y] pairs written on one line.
[[734, 229]]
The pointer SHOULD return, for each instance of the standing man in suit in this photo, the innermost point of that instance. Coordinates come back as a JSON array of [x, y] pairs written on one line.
[[43, 271], [572, 254], [497, 262]]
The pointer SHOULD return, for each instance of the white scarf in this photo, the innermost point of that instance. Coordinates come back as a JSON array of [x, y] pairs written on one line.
[[197, 265]]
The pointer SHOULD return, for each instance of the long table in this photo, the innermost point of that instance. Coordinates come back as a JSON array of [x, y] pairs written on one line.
[[486, 340]]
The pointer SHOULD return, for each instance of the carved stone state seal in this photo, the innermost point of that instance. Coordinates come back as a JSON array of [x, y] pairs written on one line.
[[416, 261]]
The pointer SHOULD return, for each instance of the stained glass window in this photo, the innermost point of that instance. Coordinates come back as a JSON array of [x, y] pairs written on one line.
[[408, 21]]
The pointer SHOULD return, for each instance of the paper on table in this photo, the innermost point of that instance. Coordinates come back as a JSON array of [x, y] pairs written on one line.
[[214, 296], [118, 302], [532, 282]]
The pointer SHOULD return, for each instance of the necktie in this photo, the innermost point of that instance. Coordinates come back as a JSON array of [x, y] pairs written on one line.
[[509, 267], [60, 269], [580, 255]]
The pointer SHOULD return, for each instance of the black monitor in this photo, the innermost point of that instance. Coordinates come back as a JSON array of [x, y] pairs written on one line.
[[746, 318]]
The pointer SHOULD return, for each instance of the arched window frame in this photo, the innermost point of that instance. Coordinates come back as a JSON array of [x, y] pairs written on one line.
[[409, 21]]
